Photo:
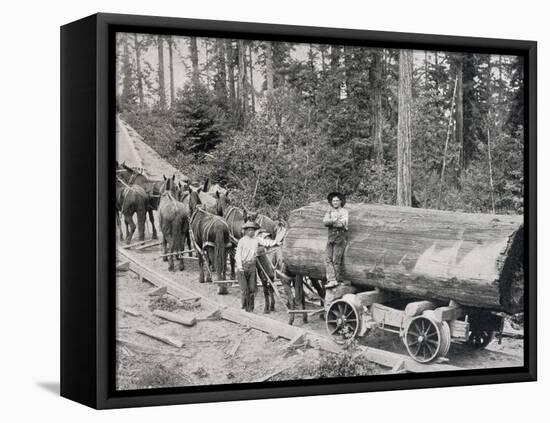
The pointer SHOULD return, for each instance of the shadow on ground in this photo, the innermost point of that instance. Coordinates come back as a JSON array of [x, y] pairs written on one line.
[[51, 387]]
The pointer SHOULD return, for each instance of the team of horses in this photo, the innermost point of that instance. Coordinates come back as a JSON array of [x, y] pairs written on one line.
[[203, 220]]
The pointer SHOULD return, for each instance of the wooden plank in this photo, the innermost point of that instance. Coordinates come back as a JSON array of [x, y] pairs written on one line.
[[149, 245], [157, 292], [183, 318], [398, 367], [176, 253], [299, 338], [123, 266], [235, 347], [134, 244], [308, 311], [129, 311], [159, 337]]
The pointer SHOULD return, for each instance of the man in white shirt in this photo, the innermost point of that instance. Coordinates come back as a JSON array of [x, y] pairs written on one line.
[[336, 220], [245, 262]]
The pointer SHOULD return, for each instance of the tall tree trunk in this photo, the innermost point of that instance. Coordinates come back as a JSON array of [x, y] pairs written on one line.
[[207, 63], [139, 74], [459, 115], [126, 94], [221, 77], [269, 66], [323, 64], [251, 71], [377, 85], [171, 67], [436, 72], [241, 82], [404, 190], [335, 70], [348, 63], [162, 90], [426, 69], [195, 79], [230, 69]]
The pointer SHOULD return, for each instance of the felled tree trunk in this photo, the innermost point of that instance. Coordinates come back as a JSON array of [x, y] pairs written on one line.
[[473, 259]]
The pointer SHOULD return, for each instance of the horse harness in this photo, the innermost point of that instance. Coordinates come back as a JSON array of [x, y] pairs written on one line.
[[206, 229], [230, 219], [127, 189]]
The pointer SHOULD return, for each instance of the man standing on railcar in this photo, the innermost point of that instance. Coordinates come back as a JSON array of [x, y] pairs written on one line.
[[336, 220]]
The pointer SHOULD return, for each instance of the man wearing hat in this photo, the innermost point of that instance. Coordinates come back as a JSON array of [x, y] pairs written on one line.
[[336, 220], [245, 262]]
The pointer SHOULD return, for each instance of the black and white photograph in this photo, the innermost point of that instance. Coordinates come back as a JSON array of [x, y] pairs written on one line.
[[295, 211]]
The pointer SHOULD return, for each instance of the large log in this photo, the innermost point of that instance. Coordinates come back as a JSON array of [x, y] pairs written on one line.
[[473, 259]]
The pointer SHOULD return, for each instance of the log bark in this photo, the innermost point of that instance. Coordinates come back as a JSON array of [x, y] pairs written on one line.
[[473, 259]]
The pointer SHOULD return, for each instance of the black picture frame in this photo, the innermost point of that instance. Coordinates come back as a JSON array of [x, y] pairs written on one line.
[[87, 201]]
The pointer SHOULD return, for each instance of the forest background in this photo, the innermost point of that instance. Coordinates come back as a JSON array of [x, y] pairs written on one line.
[[282, 124]]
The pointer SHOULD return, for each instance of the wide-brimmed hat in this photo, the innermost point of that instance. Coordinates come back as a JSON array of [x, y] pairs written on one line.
[[341, 196], [251, 225]]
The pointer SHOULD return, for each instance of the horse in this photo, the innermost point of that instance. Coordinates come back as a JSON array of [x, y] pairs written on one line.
[[131, 199], [208, 201], [152, 188], [293, 284], [236, 218], [174, 223], [211, 239], [184, 188]]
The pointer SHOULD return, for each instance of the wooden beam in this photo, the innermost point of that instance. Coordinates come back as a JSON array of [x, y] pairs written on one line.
[[416, 308], [149, 245], [157, 292], [235, 347], [129, 311], [123, 266], [452, 312], [159, 337], [183, 318], [134, 244]]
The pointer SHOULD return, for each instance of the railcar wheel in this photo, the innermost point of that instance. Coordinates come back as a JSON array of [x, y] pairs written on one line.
[[445, 333], [424, 339], [480, 338], [342, 321]]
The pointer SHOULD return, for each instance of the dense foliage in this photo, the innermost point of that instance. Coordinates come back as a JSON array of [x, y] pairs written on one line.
[[325, 118]]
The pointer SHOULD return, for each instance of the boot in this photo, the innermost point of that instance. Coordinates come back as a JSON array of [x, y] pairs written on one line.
[[272, 305], [251, 303], [244, 301], [266, 305]]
